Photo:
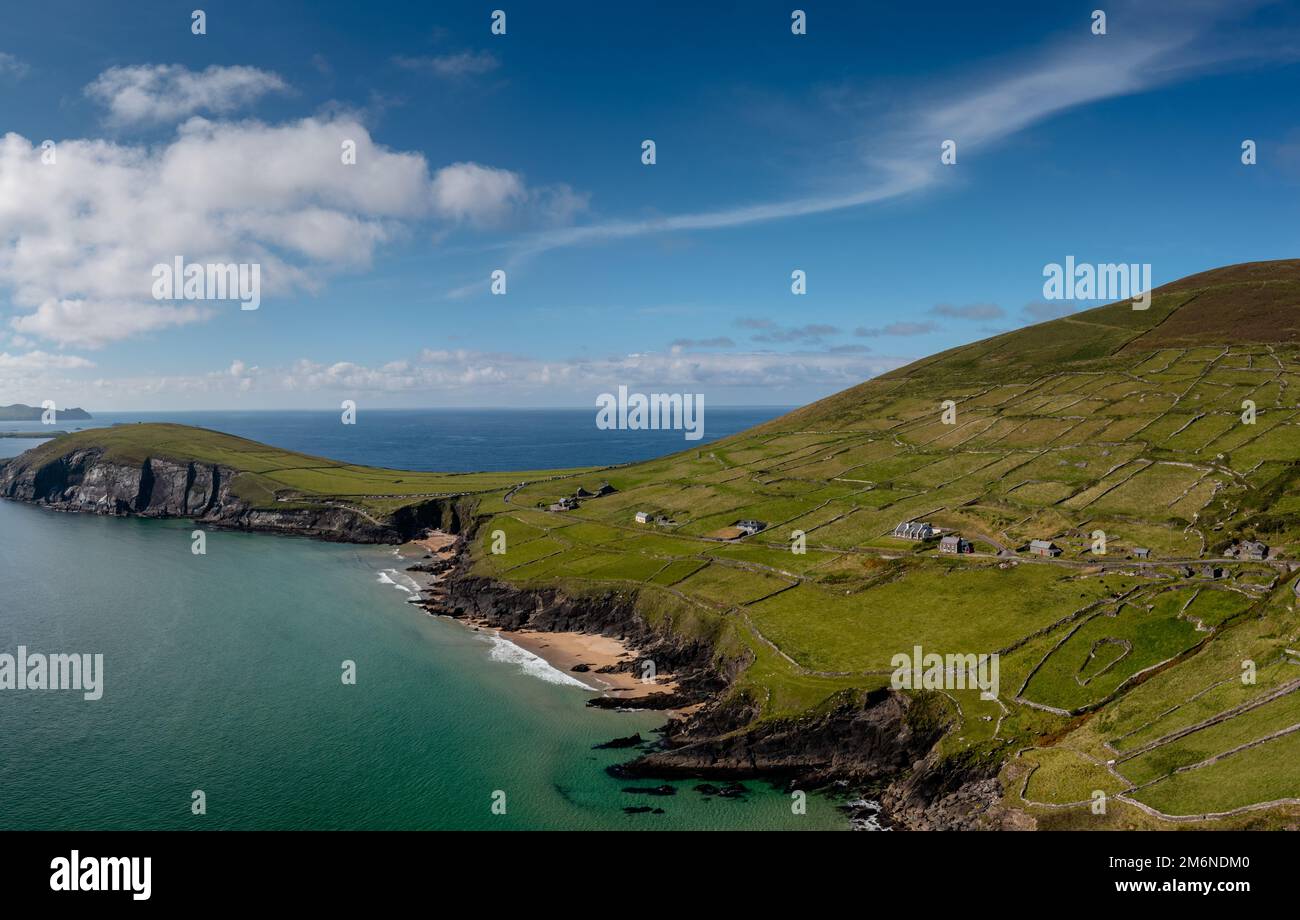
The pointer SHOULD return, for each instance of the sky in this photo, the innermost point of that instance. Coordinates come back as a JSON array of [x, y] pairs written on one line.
[[522, 153]]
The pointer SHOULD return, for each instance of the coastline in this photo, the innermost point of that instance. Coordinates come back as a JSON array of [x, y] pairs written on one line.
[[604, 664]]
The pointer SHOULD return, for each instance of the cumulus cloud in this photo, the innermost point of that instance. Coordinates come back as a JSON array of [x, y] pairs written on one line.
[[463, 64], [171, 92], [474, 193], [79, 237], [484, 196], [90, 324]]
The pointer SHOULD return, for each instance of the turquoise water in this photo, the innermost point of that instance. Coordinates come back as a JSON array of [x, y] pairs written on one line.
[[222, 673]]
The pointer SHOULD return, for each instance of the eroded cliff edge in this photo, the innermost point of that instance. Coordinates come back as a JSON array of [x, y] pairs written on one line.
[[87, 480], [883, 743]]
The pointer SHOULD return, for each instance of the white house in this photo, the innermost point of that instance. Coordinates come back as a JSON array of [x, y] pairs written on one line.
[[914, 530], [643, 517]]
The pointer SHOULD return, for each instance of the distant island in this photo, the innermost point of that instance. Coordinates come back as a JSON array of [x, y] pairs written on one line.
[[21, 413]]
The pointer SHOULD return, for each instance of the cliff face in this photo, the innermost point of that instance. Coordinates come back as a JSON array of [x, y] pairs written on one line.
[[612, 614], [85, 480]]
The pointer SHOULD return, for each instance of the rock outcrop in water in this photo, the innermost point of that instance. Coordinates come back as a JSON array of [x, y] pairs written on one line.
[[88, 481]]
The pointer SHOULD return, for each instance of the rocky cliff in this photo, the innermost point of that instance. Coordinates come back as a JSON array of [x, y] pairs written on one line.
[[86, 480], [883, 742]]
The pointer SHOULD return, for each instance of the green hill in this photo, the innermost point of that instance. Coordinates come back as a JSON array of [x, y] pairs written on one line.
[[1112, 420], [1172, 430]]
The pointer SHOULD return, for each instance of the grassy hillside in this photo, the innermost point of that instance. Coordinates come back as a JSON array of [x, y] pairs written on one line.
[[1114, 420], [1119, 675]]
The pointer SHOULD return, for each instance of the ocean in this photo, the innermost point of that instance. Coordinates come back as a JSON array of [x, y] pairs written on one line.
[[222, 672]]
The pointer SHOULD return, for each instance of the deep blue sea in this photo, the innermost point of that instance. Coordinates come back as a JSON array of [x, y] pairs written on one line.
[[447, 440]]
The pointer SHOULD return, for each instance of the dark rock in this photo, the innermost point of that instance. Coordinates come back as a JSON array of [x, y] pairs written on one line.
[[629, 741], [665, 789], [581, 668], [85, 479]]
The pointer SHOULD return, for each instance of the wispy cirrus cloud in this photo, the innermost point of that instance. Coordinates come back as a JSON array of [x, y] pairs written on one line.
[[12, 67], [452, 66], [1161, 44]]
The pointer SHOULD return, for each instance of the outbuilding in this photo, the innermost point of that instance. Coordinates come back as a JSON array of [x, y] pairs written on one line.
[[1043, 548]]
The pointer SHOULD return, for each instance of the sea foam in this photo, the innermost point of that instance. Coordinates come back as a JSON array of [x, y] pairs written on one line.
[[399, 580], [533, 665]]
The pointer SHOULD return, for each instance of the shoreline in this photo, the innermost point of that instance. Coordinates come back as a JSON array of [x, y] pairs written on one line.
[[606, 665]]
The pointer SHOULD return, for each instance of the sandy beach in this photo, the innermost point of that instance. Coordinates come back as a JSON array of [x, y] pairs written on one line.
[[561, 650], [564, 650]]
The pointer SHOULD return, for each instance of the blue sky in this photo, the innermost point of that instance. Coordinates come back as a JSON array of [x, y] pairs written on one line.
[[522, 152]]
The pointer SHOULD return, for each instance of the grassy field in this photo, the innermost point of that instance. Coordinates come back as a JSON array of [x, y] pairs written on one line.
[[1120, 674]]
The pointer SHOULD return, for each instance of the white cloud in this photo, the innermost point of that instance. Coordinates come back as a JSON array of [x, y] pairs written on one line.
[[41, 361], [171, 92], [478, 375], [91, 324], [474, 193], [79, 238]]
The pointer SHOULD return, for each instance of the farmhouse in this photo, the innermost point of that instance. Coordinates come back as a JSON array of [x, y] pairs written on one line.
[[914, 530], [955, 544], [1254, 550], [748, 528], [1043, 548], [643, 517], [1141, 552], [565, 504], [664, 521]]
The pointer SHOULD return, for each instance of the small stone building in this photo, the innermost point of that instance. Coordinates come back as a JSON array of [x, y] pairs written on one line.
[[955, 544]]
